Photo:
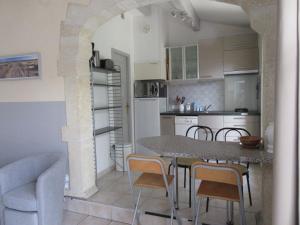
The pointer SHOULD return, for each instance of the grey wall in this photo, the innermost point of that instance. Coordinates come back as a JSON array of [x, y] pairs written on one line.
[[204, 93], [29, 128]]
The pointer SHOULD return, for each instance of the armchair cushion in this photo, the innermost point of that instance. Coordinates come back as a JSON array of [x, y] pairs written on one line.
[[22, 198]]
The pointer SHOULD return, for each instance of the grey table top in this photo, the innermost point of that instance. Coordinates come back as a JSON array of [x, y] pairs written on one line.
[[180, 146]]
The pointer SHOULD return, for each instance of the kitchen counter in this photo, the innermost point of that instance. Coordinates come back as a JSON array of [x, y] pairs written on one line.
[[209, 113]]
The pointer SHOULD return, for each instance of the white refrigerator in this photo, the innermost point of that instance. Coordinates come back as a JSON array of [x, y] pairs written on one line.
[[147, 116]]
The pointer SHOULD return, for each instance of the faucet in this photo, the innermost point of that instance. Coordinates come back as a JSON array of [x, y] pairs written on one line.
[[206, 107]]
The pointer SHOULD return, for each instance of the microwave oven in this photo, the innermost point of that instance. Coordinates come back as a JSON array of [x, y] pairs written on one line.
[[150, 89]]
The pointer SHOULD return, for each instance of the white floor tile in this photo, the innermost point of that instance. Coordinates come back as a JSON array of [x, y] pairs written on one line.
[[70, 218], [90, 220]]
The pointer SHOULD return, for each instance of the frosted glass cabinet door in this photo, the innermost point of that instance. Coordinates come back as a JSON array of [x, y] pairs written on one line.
[[191, 62], [176, 63]]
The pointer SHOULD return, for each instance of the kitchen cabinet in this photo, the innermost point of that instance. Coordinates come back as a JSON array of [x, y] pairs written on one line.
[[238, 42], [191, 62], [250, 123], [213, 122], [241, 61], [178, 125], [149, 71], [176, 64], [167, 125], [183, 123], [211, 58], [241, 54], [182, 63]]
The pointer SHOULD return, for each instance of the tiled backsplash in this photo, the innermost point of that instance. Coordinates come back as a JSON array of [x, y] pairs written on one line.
[[204, 93]]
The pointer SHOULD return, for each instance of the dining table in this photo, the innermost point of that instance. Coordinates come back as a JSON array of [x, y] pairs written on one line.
[[181, 146]]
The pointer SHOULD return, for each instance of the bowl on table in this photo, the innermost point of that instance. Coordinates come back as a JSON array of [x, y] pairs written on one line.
[[250, 141]]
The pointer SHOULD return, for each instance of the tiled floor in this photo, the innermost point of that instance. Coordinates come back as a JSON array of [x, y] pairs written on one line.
[[71, 218], [114, 190]]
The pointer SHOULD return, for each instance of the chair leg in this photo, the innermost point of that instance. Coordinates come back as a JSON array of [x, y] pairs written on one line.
[[172, 206], [198, 212], [207, 204], [242, 214], [249, 190], [171, 199], [190, 187], [136, 207], [169, 171], [229, 213], [184, 179]]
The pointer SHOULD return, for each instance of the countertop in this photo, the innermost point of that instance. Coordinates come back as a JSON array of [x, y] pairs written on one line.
[[210, 113]]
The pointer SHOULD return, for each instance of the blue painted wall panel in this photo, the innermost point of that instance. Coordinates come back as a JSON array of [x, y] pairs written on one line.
[[30, 127]]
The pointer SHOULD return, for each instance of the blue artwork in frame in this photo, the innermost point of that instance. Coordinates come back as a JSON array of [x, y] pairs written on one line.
[[25, 66]]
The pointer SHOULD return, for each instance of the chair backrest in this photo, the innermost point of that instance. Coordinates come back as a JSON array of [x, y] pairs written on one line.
[[227, 130], [217, 173], [197, 128], [145, 164]]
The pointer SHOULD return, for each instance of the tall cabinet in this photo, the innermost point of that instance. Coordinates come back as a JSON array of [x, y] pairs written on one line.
[[107, 114]]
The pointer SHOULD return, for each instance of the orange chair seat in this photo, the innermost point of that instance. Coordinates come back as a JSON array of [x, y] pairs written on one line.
[[219, 191], [152, 180]]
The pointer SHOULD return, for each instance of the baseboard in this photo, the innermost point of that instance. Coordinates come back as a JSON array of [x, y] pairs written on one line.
[[106, 171]]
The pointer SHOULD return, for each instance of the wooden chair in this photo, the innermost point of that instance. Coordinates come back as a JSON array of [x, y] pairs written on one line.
[[219, 181], [152, 174], [243, 168], [186, 163]]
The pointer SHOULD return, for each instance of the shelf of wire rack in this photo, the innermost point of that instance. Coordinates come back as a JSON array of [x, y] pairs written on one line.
[[107, 108], [111, 81]]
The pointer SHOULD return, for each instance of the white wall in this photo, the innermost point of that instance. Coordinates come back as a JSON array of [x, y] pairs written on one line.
[[32, 26], [148, 46], [117, 34]]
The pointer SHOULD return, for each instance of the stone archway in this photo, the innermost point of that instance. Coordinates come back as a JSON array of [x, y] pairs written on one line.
[[76, 32]]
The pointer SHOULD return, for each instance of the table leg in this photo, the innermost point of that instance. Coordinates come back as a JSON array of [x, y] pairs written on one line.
[[175, 172]]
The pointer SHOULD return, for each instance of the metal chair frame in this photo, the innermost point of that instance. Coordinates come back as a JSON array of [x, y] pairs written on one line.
[[207, 131], [236, 129], [205, 128], [231, 129], [170, 189], [229, 205]]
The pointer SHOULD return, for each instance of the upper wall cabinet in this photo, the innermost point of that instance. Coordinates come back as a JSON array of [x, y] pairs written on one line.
[[182, 63], [191, 62], [149, 71], [211, 58], [176, 63], [241, 54], [238, 42]]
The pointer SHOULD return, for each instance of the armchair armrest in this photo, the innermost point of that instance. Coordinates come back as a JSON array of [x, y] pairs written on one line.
[[50, 193], [16, 174]]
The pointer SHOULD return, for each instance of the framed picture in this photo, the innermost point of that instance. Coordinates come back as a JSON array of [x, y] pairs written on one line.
[[25, 66]]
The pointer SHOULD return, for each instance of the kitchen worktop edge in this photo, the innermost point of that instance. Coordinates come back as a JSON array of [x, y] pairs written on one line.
[[209, 113]]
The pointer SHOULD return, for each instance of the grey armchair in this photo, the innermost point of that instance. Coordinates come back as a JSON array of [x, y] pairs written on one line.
[[32, 190]]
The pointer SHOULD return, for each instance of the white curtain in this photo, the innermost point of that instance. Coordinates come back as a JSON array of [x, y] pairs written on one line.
[[285, 187]]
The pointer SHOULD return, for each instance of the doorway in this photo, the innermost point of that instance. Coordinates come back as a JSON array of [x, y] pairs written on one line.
[[122, 60]]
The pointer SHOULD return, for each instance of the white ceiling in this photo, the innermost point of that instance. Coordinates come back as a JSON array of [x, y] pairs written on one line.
[[220, 12]]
